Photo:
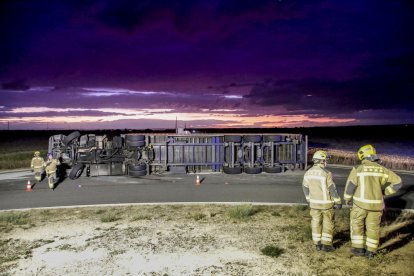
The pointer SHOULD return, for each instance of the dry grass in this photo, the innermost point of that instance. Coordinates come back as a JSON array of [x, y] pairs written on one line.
[[242, 211], [272, 251], [266, 233], [344, 157]]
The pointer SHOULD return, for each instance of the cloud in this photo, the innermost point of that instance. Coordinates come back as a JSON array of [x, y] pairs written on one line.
[[388, 87], [316, 59], [17, 85]]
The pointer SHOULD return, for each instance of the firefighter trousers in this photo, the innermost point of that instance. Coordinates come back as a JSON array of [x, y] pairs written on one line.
[[323, 226], [51, 179], [365, 228], [38, 173]]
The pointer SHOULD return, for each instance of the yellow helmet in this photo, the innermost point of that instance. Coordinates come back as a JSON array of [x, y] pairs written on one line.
[[37, 153], [320, 155], [367, 151]]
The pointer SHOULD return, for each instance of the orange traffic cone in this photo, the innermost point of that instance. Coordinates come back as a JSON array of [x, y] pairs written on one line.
[[198, 180], [28, 186]]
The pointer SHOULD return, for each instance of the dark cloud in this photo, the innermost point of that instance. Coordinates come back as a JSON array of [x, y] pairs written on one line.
[[382, 84], [19, 85], [73, 97], [317, 58], [51, 114]]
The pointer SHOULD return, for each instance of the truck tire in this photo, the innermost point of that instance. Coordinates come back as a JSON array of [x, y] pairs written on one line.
[[69, 139], [135, 137], [76, 171], [137, 168], [277, 169], [272, 138], [252, 138], [235, 170], [233, 138], [132, 143], [137, 173], [254, 170]]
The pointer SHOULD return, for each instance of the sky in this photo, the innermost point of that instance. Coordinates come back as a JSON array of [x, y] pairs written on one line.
[[88, 64]]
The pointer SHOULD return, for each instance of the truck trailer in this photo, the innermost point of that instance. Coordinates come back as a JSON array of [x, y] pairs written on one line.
[[137, 155]]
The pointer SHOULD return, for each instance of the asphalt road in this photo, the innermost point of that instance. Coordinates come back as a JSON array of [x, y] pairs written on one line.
[[269, 188]]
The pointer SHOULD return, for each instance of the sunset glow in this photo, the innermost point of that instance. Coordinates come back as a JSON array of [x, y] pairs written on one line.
[[221, 64]]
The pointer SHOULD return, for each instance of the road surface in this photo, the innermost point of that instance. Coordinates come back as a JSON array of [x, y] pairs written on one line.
[[269, 188]]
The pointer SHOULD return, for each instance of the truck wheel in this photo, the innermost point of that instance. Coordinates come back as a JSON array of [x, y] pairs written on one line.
[[137, 173], [135, 137], [254, 170], [133, 143], [252, 138], [136, 168], [272, 138], [232, 138], [69, 139], [76, 171], [277, 169], [235, 170]]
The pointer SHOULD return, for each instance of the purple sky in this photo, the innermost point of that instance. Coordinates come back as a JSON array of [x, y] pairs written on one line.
[[139, 64]]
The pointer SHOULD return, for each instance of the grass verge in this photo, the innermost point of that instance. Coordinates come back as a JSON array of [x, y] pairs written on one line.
[[272, 251], [242, 212], [203, 232]]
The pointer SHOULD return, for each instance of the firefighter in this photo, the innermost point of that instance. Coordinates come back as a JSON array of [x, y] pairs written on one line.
[[322, 196], [38, 166], [51, 168], [365, 189]]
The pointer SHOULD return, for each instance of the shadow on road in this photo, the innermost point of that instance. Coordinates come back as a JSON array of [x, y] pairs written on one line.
[[397, 229]]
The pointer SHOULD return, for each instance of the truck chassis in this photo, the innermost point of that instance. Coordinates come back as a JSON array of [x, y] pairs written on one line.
[[137, 155]]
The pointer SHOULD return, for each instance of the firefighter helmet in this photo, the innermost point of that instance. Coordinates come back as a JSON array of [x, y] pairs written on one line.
[[367, 152], [320, 155], [37, 153]]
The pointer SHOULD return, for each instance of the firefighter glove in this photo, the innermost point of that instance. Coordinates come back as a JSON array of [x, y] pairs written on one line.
[[338, 206]]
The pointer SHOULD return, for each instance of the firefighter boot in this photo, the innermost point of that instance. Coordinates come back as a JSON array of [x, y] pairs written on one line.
[[369, 254], [358, 251], [318, 247], [327, 248]]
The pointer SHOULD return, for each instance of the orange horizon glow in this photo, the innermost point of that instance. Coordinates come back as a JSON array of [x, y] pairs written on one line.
[[227, 119]]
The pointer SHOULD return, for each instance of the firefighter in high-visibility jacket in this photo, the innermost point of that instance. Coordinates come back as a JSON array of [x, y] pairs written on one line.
[[365, 189], [322, 196], [38, 166], [51, 168]]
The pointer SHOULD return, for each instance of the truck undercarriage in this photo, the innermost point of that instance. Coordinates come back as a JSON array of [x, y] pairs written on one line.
[[137, 155]]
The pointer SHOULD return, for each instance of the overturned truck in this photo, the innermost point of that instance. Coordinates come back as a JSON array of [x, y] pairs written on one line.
[[138, 155]]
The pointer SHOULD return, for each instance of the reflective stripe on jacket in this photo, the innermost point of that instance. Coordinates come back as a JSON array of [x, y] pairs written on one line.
[[51, 166], [37, 163], [319, 188], [368, 183]]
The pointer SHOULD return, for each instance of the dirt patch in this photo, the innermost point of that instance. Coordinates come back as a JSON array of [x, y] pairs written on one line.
[[190, 240]]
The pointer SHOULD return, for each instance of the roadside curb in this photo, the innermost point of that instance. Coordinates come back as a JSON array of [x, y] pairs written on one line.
[[175, 204], [14, 171]]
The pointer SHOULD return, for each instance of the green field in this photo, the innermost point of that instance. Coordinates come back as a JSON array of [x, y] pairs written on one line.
[[17, 153]]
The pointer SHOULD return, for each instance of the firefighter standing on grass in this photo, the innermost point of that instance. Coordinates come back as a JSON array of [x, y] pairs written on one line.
[[38, 166], [322, 196], [51, 168], [365, 188]]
